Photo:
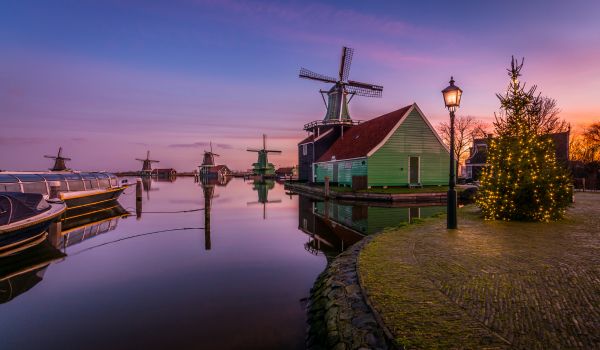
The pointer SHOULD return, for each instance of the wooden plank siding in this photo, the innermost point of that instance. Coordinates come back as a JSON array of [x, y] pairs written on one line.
[[346, 169], [389, 165]]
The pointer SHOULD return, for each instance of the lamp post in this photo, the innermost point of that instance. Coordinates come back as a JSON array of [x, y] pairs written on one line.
[[452, 96]]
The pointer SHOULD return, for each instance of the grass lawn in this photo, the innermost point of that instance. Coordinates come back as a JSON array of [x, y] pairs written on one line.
[[489, 284]]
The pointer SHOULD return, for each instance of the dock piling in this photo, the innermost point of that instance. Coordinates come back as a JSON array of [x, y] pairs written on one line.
[[326, 187], [54, 193], [138, 198]]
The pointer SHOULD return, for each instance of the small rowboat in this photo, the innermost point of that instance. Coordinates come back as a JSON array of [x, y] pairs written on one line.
[[24, 220]]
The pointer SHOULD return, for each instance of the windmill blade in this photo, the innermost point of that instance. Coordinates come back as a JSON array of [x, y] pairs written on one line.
[[66, 158], [364, 89], [51, 157], [214, 154], [272, 151], [253, 150], [141, 160], [346, 60], [307, 74]]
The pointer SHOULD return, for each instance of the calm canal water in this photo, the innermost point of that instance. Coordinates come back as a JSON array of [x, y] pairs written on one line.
[[163, 282]]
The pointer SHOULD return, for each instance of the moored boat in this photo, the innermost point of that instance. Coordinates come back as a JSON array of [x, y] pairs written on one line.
[[77, 189], [24, 220]]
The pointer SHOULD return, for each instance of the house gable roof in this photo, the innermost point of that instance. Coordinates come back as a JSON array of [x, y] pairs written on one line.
[[358, 141]]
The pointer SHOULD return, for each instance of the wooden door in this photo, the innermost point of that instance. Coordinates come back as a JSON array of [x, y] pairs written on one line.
[[413, 166], [335, 172]]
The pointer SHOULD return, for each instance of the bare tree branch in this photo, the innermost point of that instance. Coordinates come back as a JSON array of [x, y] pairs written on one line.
[[466, 129]]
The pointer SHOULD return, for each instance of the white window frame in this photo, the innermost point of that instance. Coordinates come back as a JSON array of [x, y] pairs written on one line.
[[304, 150]]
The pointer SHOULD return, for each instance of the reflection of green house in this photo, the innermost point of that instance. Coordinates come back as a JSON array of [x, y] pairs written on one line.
[[369, 220], [396, 149]]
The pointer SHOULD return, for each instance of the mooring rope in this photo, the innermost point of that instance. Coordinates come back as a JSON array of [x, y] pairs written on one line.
[[169, 212], [136, 236]]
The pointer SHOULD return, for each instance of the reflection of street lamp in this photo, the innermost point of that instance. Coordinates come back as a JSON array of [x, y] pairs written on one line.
[[452, 96]]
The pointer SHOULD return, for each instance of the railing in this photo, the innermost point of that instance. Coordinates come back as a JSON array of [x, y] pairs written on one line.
[[38, 182], [316, 123]]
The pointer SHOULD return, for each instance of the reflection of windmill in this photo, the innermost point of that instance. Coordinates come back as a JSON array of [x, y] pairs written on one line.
[[147, 186], [263, 187], [337, 105], [262, 167], [59, 161], [147, 164], [208, 161], [208, 188]]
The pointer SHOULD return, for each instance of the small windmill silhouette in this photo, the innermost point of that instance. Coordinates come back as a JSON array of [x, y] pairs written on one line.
[[208, 161], [59, 161], [147, 163]]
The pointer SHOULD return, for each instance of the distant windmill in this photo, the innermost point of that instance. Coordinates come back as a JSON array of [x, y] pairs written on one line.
[[262, 167], [147, 164], [208, 161], [59, 161], [337, 105]]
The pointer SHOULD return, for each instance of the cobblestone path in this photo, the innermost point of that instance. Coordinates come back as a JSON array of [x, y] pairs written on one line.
[[490, 284]]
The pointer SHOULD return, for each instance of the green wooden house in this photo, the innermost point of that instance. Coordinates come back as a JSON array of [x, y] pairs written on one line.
[[400, 148]]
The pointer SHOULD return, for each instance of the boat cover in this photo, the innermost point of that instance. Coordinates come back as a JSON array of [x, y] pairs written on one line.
[[15, 206]]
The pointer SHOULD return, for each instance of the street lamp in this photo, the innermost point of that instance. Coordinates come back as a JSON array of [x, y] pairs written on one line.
[[452, 96]]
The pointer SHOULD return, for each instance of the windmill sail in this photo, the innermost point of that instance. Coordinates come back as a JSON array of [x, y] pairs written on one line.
[[337, 96]]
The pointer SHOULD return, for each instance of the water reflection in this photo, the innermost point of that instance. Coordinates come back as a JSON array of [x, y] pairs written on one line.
[[148, 283], [208, 184], [76, 229], [334, 226], [22, 271], [263, 186]]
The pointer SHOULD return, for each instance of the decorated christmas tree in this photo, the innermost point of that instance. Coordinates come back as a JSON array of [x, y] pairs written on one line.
[[523, 180]]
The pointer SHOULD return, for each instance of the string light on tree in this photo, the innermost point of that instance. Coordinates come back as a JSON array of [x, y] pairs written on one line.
[[522, 180]]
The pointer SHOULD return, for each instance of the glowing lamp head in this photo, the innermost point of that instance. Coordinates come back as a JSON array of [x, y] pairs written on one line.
[[452, 95]]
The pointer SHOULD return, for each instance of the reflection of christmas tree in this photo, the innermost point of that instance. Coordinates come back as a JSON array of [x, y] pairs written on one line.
[[523, 180]]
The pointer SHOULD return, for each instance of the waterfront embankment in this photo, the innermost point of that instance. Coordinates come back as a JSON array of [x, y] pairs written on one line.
[[400, 195]]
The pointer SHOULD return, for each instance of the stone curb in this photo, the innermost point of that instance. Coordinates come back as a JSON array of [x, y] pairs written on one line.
[[339, 315], [391, 342]]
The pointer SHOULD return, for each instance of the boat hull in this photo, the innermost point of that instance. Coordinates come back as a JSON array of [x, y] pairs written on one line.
[[83, 201], [29, 232]]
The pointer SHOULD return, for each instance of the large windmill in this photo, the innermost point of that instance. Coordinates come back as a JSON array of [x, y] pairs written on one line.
[[147, 164], [262, 167], [208, 161], [337, 101], [59, 161]]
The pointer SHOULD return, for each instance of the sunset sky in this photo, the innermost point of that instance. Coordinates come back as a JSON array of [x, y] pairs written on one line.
[[108, 80]]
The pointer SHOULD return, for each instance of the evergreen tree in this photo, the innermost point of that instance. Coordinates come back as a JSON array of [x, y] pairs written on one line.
[[523, 180]]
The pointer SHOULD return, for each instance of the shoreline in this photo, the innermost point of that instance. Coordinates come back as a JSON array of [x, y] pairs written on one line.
[[319, 192]]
